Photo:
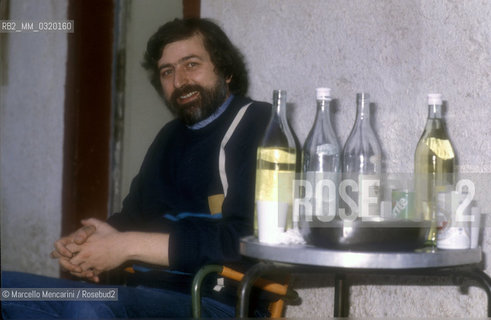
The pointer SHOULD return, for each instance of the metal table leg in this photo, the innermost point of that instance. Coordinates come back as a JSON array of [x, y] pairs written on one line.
[[482, 278], [341, 296]]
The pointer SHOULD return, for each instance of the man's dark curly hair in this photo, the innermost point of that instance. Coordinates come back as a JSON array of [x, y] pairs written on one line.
[[226, 58]]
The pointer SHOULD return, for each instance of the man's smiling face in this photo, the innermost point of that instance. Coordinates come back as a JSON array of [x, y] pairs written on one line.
[[192, 88]]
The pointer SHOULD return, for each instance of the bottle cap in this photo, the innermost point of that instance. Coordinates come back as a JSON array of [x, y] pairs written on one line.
[[434, 98], [323, 93]]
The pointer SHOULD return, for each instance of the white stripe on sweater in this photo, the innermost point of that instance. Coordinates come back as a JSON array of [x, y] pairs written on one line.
[[226, 138]]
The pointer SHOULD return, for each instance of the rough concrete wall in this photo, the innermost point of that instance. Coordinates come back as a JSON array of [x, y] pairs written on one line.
[[31, 129], [398, 51]]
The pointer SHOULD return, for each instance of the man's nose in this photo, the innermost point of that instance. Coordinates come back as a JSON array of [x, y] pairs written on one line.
[[180, 78]]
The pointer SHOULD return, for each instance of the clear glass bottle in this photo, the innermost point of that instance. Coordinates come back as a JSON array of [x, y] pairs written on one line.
[[321, 166], [275, 173], [434, 165], [362, 162]]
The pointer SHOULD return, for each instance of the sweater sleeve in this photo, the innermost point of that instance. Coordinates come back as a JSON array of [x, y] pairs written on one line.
[[127, 219], [195, 241]]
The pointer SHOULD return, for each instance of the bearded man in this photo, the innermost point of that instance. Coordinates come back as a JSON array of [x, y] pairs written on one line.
[[192, 200]]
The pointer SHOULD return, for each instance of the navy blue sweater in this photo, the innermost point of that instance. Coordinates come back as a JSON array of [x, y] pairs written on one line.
[[180, 177]]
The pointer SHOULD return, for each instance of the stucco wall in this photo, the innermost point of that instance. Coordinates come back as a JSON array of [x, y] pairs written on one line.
[[398, 51], [31, 140]]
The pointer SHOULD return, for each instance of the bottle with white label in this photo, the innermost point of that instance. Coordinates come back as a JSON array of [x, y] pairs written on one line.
[[362, 166], [275, 173], [321, 166], [435, 165]]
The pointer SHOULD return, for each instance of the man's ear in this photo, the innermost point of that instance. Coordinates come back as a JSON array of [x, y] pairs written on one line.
[[228, 79]]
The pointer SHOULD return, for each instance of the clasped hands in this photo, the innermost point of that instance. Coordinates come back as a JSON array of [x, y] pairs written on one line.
[[92, 249]]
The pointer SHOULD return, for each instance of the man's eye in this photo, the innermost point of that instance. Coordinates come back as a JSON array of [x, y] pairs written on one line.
[[165, 73], [191, 65]]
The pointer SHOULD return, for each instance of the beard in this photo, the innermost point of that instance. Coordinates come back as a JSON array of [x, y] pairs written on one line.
[[209, 100]]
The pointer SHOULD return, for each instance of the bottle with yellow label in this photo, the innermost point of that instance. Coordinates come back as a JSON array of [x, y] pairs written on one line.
[[275, 173], [435, 165]]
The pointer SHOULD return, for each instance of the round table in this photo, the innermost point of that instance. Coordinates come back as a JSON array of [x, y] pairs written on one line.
[[342, 263]]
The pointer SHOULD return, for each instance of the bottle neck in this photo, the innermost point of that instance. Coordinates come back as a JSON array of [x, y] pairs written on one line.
[[362, 108], [434, 111], [278, 133], [323, 109], [323, 105], [279, 105]]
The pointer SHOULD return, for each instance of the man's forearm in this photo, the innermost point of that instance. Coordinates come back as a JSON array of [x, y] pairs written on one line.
[[152, 248]]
